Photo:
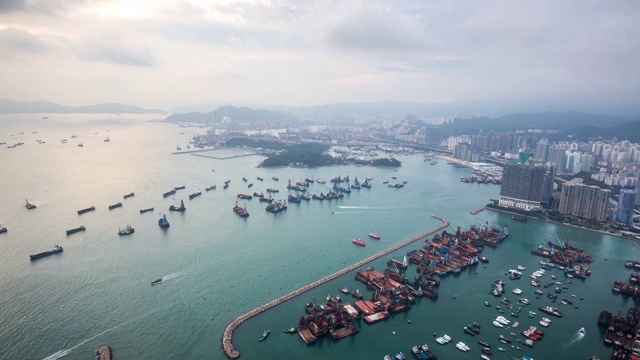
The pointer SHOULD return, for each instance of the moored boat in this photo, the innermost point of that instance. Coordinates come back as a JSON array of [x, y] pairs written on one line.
[[344, 290], [126, 231], [55, 250], [242, 212], [245, 196], [357, 241]]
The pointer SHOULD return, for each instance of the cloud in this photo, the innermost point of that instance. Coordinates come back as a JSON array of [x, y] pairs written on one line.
[[116, 53], [12, 5], [14, 39]]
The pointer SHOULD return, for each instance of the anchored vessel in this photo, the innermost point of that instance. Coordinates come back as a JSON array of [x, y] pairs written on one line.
[[115, 206], [212, 187], [85, 210], [169, 193], [29, 205], [129, 195], [195, 194], [145, 210], [55, 250], [126, 231], [75, 230], [178, 208], [242, 212]]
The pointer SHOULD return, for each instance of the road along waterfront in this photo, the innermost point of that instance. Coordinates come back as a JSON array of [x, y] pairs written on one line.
[[227, 336]]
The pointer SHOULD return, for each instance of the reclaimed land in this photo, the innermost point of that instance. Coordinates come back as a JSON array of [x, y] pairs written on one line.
[[227, 336]]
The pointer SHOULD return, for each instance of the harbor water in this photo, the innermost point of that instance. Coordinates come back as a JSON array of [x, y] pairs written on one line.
[[216, 265]]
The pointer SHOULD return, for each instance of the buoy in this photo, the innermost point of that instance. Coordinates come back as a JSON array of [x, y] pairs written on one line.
[[394, 333]]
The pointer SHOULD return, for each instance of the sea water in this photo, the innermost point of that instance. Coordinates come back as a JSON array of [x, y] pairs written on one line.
[[217, 266]]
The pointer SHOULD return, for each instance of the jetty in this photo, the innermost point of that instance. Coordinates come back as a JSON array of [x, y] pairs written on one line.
[[227, 337], [478, 210]]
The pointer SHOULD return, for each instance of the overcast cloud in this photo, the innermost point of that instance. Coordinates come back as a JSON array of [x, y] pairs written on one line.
[[166, 53]]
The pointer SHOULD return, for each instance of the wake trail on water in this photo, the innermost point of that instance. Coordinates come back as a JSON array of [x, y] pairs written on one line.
[[577, 337], [170, 276], [64, 352]]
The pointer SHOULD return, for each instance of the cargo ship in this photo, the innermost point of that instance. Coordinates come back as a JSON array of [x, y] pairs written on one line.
[[86, 210], [126, 196], [169, 193], [179, 187], [146, 210], [163, 222], [195, 194], [277, 206], [212, 187], [55, 250], [75, 230], [242, 212], [117, 205]]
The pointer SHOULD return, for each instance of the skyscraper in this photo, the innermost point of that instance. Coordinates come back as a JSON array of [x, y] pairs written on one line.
[[626, 202], [587, 201], [522, 186]]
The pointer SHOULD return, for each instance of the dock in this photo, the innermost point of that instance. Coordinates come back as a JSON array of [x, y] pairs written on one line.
[[227, 337], [478, 210]]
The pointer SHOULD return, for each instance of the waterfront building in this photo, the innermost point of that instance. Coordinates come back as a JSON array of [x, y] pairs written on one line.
[[542, 150], [586, 201], [522, 186], [626, 203], [638, 189]]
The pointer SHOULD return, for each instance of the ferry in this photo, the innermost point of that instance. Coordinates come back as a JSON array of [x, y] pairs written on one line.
[[374, 235], [126, 231], [55, 250], [357, 241], [163, 222]]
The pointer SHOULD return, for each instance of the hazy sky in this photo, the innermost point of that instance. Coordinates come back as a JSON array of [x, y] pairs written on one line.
[[161, 53]]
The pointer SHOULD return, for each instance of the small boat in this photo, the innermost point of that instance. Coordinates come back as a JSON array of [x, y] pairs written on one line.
[[3, 230], [126, 196], [29, 205], [195, 194], [501, 349], [462, 346], [116, 205], [259, 178], [582, 331], [242, 212], [180, 208], [484, 344], [75, 230], [290, 330], [264, 335], [275, 178], [374, 235], [146, 210], [106, 140], [156, 281], [344, 290], [250, 185], [245, 196], [80, 145], [212, 187], [226, 185], [482, 356], [163, 222], [244, 179], [126, 231], [358, 242], [400, 355], [357, 294], [179, 187]]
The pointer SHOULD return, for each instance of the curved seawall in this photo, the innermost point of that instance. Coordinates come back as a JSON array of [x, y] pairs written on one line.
[[227, 336]]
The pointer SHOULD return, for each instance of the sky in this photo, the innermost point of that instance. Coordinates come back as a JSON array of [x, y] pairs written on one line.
[[166, 53]]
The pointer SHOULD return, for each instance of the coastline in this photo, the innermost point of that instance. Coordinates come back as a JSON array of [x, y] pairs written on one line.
[[227, 336]]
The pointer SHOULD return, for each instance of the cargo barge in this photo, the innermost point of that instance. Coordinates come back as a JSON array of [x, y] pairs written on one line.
[[169, 193], [55, 250], [75, 230], [86, 210]]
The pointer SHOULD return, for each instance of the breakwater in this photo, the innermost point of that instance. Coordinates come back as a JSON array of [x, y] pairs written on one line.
[[227, 335]]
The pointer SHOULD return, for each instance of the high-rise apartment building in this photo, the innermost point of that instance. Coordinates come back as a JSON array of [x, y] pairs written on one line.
[[587, 201], [522, 186], [626, 203]]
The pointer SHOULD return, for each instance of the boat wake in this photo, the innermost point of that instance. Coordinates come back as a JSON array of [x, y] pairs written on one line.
[[170, 276], [577, 337], [64, 352]]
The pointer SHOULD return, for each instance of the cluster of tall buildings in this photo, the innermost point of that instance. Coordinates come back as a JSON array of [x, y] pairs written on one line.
[[586, 201], [527, 186]]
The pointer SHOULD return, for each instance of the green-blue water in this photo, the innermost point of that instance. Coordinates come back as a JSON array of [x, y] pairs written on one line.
[[218, 265]]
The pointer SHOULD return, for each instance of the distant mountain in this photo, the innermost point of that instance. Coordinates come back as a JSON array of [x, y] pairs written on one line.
[[8, 106], [563, 122], [629, 131], [240, 114]]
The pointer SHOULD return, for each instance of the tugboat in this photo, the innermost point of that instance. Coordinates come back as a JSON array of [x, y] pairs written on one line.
[[126, 231], [29, 205], [156, 281], [242, 212], [181, 208], [264, 335], [163, 222], [357, 241], [55, 250]]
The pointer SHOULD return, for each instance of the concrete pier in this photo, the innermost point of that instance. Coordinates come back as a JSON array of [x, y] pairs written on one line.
[[227, 336]]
